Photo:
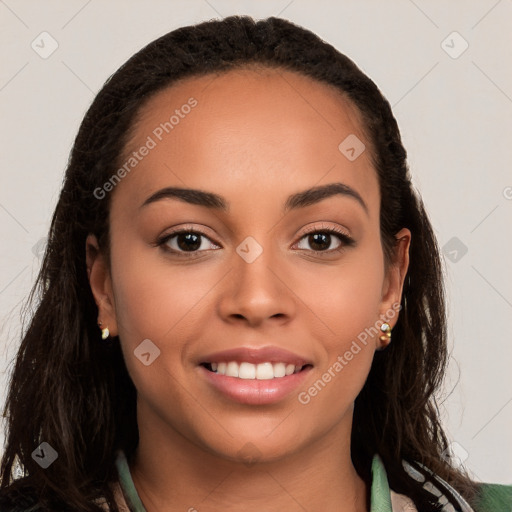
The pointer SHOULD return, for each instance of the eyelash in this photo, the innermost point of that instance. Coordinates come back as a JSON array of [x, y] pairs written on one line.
[[346, 241]]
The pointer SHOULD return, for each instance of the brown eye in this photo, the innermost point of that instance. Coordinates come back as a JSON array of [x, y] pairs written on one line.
[[325, 241], [187, 241], [320, 241]]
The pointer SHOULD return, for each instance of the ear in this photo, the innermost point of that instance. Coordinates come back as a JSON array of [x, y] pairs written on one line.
[[395, 277], [101, 284]]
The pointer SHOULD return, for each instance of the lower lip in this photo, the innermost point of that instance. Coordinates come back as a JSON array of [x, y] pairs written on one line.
[[254, 391]]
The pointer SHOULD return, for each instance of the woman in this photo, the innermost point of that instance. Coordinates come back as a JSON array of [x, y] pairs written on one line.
[[241, 298]]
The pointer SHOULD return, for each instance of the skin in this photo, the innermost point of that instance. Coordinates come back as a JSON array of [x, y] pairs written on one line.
[[255, 137]]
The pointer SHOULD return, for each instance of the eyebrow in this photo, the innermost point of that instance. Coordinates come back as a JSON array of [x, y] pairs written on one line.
[[295, 201], [316, 194]]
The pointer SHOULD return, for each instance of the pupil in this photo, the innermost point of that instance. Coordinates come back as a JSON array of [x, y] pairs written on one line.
[[190, 241], [318, 239]]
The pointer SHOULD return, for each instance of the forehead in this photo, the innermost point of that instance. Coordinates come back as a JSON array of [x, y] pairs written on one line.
[[247, 130]]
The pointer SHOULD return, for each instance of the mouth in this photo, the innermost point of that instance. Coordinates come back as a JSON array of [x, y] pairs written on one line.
[[246, 370], [251, 388], [254, 376]]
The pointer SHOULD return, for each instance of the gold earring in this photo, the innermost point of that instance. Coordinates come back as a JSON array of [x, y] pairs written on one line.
[[385, 338]]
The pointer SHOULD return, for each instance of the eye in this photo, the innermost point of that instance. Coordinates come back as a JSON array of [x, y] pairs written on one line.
[[184, 241], [320, 240], [188, 241]]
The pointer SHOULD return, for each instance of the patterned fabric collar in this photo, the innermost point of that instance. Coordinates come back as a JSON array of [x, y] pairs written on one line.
[[383, 499]]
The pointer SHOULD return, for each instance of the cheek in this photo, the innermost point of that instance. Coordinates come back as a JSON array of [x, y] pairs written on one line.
[[348, 303], [155, 299], [160, 302], [349, 296]]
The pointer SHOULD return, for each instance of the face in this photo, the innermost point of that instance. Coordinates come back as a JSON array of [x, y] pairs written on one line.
[[262, 281]]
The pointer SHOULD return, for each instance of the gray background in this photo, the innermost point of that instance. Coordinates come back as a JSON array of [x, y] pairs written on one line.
[[454, 108]]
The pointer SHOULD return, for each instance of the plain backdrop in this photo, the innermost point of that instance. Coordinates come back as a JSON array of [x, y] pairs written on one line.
[[444, 66]]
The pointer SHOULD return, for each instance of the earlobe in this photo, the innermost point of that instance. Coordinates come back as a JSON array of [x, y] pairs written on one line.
[[101, 285]]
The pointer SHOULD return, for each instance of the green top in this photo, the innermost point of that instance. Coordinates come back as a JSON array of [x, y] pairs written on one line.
[[493, 497]]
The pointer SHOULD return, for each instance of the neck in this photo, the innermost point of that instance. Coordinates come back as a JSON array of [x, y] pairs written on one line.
[[172, 473]]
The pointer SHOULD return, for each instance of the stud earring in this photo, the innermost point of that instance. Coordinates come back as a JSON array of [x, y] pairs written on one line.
[[105, 333], [385, 338]]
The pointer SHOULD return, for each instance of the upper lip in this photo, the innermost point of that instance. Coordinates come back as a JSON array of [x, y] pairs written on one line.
[[269, 354]]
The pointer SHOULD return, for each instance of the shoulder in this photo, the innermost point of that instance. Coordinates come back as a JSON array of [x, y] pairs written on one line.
[[493, 498]]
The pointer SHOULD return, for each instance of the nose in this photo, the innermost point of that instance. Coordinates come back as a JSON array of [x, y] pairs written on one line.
[[257, 292]]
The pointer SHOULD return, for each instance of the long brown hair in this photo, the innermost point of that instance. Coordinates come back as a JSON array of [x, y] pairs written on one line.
[[73, 391]]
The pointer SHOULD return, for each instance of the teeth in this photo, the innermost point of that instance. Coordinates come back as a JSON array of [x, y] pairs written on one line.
[[264, 371], [232, 369], [249, 371], [280, 370]]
